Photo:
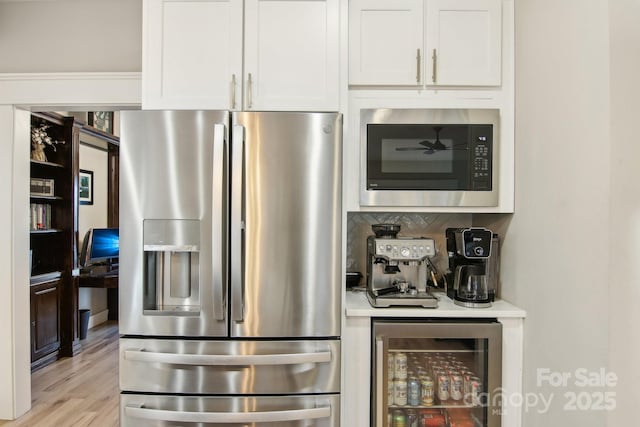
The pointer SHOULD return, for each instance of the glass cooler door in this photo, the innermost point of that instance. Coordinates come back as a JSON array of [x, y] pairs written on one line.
[[436, 373]]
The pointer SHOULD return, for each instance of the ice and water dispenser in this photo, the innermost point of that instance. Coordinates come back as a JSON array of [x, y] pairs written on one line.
[[171, 267]]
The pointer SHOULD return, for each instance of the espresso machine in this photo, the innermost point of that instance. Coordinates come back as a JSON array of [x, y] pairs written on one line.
[[397, 268], [472, 279]]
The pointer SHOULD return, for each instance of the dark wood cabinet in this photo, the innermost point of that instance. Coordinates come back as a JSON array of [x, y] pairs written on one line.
[[45, 321]]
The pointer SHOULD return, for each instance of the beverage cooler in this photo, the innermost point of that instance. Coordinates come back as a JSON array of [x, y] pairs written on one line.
[[436, 373]]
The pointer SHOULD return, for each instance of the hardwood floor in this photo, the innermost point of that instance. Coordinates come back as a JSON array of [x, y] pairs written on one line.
[[78, 391]]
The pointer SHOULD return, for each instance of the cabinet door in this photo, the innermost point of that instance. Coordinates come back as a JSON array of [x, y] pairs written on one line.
[[291, 55], [45, 319], [385, 42], [463, 42], [192, 54]]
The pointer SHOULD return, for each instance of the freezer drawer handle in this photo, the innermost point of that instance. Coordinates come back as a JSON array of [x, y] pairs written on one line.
[[227, 417], [227, 360]]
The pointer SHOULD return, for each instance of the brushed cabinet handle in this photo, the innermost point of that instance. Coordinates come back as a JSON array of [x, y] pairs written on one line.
[[233, 91], [434, 57], [419, 61], [249, 92], [226, 417], [226, 359]]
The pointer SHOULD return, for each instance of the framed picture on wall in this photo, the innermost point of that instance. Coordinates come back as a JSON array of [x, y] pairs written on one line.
[[101, 120], [85, 187]]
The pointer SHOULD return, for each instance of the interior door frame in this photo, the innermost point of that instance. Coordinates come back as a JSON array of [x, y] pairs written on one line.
[[19, 94]]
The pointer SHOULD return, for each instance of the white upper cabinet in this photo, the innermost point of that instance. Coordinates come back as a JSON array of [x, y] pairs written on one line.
[[425, 42], [194, 53], [291, 55], [462, 42], [385, 42]]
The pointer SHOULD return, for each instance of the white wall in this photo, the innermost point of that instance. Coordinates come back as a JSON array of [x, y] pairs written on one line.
[[94, 216], [554, 261], [15, 357], [70, 35], [624, 283]]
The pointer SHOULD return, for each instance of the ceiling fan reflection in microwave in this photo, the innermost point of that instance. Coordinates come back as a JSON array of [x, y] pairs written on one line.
[[428, 147]]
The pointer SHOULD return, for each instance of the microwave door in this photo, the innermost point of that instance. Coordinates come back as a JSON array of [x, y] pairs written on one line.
[[418, 157], [173, 223]]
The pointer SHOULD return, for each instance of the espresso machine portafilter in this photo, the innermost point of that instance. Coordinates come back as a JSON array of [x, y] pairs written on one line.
[[472, 279]]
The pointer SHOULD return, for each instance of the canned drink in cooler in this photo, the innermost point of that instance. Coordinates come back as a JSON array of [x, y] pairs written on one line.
[[399, 418], [474, 391], [390, 391], [456, 386], [444, 385], [391, 365], [400, 366], [412, 418], [431, 418], [426, 391], [413, 391], [400, 392]]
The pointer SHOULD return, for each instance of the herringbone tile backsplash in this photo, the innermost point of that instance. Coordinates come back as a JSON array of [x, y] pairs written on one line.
[[412, 225]]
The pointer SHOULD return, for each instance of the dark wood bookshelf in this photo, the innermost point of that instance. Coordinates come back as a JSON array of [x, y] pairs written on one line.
[[53, 289]]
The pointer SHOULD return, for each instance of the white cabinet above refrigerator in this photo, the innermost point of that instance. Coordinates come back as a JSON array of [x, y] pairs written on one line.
[[194, 53]]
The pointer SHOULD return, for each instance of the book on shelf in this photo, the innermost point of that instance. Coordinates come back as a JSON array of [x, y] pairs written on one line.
[[40, 216]]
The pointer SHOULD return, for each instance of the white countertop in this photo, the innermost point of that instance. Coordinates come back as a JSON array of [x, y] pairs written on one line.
[[357, 305]]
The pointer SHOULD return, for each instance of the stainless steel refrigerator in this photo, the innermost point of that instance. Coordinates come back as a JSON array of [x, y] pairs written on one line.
[[230, 264]]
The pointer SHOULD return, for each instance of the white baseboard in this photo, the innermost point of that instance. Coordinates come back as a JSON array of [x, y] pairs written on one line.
[[98, 318]]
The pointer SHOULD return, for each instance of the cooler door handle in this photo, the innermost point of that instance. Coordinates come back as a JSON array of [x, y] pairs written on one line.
[[140, 355], [218, 206], [237, 224], [226, 417], [380, 419]]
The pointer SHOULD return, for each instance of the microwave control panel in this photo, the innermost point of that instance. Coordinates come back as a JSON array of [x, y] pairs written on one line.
[[481, 153]]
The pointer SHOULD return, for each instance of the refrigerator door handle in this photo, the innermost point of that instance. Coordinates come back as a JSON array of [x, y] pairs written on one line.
[[237, 224], [139, 355], [227, 417], [217, 226]]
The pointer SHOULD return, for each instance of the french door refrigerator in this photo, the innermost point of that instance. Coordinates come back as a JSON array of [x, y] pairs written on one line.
[[230, 283]]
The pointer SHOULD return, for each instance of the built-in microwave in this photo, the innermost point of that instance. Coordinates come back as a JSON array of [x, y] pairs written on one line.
[[429, 157]]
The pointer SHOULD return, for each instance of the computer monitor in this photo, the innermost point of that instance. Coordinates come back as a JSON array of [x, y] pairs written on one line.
[[100, 246]]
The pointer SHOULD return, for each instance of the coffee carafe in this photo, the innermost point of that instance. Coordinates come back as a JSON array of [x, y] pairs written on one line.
[[472, 278]]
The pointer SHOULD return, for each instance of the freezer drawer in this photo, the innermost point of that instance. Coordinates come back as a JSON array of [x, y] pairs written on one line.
[[282, 411], [229, 367]]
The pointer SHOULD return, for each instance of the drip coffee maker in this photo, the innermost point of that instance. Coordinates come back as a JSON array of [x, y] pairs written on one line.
[[473, 266]]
